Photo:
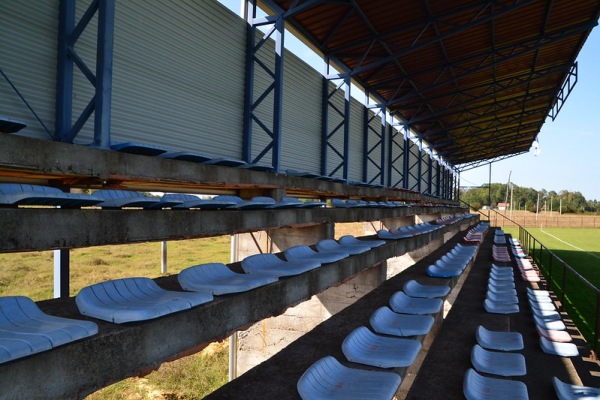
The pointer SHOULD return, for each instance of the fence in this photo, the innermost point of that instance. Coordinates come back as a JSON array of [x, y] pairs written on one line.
[[543, 219], [577, 296]]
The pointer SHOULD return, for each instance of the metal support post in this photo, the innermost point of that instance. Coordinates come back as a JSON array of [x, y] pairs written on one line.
[[61, 273]]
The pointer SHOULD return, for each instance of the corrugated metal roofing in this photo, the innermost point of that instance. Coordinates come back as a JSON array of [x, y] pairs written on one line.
[[476, 79]]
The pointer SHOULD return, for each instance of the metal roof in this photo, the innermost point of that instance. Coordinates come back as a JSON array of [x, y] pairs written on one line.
[[475, 79]]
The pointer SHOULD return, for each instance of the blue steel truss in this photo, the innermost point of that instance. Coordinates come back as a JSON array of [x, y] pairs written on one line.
[[252, 101], [564, 91], [378, 132], [67, 59], [396, 161], [330, 129]]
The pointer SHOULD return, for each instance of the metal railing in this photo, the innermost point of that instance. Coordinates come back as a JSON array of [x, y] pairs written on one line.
[[577, 296]]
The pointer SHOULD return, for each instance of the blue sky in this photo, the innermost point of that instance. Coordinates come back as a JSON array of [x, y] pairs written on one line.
[[569, 145]]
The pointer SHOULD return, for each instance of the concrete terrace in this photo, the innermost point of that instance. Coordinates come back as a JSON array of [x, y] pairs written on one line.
[[447, 354]]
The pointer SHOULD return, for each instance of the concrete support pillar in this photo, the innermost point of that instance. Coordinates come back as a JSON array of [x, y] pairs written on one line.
[[266, 338]]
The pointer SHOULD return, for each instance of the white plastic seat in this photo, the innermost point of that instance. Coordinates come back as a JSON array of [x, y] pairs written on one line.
[[558, 348], [495, 340], [26, 330], [498, 362], [364, 347], [268, 263], [217, 278], [479, 387], [134, 299], [388, 322], [414, 289], [328, 379], [401, 303], [567, 391]]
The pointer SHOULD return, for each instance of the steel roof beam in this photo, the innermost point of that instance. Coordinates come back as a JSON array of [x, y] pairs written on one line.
[[505, 53]]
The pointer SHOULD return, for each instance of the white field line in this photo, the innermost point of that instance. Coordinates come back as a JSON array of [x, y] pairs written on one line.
[[569, 244]]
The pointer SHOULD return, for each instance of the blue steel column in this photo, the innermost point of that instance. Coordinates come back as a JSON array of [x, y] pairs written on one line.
[[429, 174], [420, 168], [324, 123], [384, 127], [67, 58], [276, 87], [64, 73], [278, 100], [104, 69], [249, 87], [406, 160], [365, 144], [437, 180], [326, 134], [346, 160]]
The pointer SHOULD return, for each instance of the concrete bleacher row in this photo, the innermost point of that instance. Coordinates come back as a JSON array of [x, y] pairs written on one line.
[[16, 194], [387, 347], [533, 361], [447, 371], [365, 259], [136, 299]]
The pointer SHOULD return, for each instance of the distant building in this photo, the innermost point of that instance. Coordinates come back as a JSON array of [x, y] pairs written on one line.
[[503, 206]]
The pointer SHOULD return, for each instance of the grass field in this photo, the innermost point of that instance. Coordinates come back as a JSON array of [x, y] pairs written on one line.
[[193, 377], [580, 249]]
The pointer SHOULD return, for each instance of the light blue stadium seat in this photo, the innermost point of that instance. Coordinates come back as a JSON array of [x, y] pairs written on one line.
[[182, 201], [479, 387], [225, 162], [293, 202], [36, 195], [495, 340], [270, 264], [414, 289], [551, 325], [10, 125], [443, 272], [186, 156], [507, 298], [328, 379], [364, 347], [349, 239], [401, 303], [134, 299], [385, 321], [26, 330], [493, 307], [218, 202], [498, 362], [567, 391], [113, 198], [389, 235], [218, 279], [558, 348], [256, 202], [333, 245], [138, 148], [302, 252]]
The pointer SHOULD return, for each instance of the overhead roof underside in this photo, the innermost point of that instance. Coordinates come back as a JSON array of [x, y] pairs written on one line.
[[476, 79]]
